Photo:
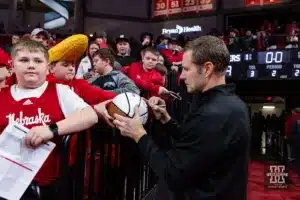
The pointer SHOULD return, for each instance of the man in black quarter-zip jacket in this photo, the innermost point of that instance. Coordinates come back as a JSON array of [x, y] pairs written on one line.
[[209, 158]]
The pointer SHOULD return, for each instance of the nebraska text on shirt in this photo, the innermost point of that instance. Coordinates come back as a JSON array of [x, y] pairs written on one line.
[[40, 118]]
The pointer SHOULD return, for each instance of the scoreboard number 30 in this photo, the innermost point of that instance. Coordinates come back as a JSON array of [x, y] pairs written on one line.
[[160, 6]]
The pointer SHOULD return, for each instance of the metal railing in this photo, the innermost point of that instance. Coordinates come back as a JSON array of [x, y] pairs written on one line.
[[109, 166]]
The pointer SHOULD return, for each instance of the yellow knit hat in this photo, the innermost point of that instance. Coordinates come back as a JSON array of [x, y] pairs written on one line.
[[70, 49]]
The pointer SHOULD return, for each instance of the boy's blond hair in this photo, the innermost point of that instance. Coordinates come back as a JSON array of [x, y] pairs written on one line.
[[29, 45]]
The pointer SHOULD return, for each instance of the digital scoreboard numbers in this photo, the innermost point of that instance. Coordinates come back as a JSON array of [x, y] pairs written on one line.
[[248, 57], [295, 73], [273, 57], [274, 71], [265, 65], [294, 66], [252, 73], [273, 64], [229, 72]]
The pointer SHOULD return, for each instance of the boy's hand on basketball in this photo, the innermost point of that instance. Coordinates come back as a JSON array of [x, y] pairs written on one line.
[[158, 106], [102, 112], [130, 127]]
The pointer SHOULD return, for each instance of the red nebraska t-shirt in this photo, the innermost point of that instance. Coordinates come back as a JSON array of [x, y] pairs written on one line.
[[31, 112]]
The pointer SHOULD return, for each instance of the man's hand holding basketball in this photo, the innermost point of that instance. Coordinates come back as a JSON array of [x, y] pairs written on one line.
[[158, 106], [102, 112], [130, 127]]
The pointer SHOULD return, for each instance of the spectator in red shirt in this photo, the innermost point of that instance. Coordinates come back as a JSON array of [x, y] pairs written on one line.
[[62, 68], [48, 109], [172, 55], [144, 74]]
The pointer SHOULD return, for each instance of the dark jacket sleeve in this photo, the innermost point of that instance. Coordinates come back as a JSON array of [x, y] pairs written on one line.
[[173, 128], [203, 142]]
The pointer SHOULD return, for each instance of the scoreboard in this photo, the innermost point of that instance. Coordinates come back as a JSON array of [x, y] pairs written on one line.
[[267, 65], [175, 7], [163, 8]]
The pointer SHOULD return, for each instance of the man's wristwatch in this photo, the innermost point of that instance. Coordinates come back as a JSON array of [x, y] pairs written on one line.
[[54, 129]]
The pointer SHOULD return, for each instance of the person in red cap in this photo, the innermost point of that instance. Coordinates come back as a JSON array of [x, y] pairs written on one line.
[[5, 67]]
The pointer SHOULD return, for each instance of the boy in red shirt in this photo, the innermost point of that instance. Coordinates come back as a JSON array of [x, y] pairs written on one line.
[[145, 76], [62, 58], [48, 109]]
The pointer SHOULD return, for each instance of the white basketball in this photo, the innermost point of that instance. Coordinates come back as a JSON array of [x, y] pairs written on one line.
[[126, 102]]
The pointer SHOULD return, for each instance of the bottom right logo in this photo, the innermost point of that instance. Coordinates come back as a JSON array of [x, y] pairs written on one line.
[[276, 177]]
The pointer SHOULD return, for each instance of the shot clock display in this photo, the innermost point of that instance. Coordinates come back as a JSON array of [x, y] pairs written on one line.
[[279, 64]]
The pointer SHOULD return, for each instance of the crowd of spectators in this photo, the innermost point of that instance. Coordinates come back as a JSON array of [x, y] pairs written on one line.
[[127, 65], [127, 53], [269, 36]]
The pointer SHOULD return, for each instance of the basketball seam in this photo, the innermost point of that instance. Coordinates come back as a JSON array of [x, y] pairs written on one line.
[[144, 114], [128, 104]]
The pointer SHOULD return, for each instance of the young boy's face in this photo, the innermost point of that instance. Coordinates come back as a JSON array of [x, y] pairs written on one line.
[[99, 64], [123, 47], [31, 68], [149, 60], [63, 70]]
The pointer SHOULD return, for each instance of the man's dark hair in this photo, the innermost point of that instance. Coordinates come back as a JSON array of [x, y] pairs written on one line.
[[105, 54], [151, 50], [209, 49]]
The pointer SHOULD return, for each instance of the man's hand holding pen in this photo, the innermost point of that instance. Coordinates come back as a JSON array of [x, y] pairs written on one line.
[[158, 107]]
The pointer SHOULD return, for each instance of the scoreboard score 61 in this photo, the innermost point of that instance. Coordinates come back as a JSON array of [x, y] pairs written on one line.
[[278, 64]]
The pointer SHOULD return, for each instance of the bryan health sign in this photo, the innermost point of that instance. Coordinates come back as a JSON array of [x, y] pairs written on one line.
[[182, 29]]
